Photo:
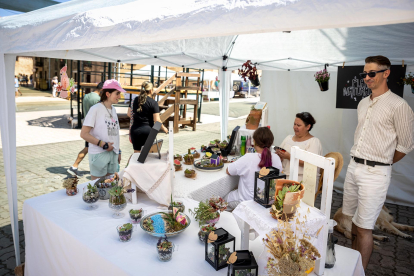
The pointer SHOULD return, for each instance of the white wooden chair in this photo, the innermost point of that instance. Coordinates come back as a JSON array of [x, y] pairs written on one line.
[[328, 164]]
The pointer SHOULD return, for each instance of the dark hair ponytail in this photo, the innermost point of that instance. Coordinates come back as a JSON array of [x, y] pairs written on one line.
[[145, 91], [263, 138]]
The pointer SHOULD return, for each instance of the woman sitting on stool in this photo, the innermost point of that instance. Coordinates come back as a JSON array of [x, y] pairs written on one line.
[[145, 111], [248, 164], [303, 139]]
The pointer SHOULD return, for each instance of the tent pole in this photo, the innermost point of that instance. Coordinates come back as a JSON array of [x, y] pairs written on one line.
[[78, 96], [104, 73], [224, 100], [8, 139], [109, 70]]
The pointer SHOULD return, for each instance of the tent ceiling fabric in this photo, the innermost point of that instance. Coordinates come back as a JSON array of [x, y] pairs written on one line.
[[198, 33]]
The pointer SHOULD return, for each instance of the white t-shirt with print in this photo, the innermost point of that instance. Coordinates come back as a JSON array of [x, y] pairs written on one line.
[[103, 126], [245, 167]]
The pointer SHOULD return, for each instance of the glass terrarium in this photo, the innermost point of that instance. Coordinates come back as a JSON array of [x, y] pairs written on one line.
[[217, 252], [265, 186], [245, 265]]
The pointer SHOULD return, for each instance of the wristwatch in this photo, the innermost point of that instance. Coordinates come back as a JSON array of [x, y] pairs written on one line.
[[106, 146]]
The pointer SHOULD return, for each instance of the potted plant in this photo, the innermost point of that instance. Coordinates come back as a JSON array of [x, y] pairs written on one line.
[[195, 153], [223, 145], [177, 165], [190, 173], [217, 141], [177, 204], [90, 196], [409, 80], [188, 158], [105, 184], [322, 77], [208, 212], [117, 201], [124, 232], [178, 157], [204, 231], [203, 148], [70, 184], [253, 119], [287, 198], [165, 248], [213, 144], [136, 215], [249, 71]]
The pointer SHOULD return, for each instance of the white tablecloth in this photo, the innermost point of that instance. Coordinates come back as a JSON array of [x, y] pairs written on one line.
[[260, 220], [205, 185], [62, 238]]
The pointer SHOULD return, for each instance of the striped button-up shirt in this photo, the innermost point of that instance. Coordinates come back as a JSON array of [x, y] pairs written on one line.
[[385, 124]]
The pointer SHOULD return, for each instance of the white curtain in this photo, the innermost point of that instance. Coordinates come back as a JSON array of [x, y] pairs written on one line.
[[8, 139], [288, 93]]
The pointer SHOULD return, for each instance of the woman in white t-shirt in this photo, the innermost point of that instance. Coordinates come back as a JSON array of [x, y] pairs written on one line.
[[250, 163], [101, 130], [303, 139]]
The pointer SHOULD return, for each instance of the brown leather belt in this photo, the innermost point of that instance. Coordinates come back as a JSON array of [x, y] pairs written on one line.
[[369, 163]]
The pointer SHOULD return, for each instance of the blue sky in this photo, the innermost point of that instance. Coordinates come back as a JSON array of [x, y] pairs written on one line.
[[4, 12]]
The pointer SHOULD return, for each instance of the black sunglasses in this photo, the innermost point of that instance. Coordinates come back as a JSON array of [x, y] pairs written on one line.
[[371, 74]]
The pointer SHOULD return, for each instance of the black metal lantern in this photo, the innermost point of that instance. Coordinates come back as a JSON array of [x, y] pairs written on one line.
[[218, 251], [265, 186], [245, 265]]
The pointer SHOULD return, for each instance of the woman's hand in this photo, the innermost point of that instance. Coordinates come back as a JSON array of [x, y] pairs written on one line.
[[283, 154]]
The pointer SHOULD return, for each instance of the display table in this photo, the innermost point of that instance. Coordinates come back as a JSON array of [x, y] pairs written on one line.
[[62, 238], [205, 185]]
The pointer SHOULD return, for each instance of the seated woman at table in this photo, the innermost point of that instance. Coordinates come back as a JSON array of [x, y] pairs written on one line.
[[304, 123], [145, 111], [101, 130], [248, 164]]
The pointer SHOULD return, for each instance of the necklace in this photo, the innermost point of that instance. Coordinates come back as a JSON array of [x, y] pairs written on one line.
[[110, 113]]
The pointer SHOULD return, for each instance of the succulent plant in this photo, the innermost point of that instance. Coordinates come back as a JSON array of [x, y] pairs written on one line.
[[125, 227]]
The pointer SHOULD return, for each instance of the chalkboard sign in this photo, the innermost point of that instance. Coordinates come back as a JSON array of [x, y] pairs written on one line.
[[149, 142], [351, 88]]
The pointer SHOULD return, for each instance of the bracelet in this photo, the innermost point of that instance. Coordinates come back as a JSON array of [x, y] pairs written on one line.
[[99, 142], [119, 151]]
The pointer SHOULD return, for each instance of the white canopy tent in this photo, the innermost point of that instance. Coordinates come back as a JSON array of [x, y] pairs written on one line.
[[197, 34]]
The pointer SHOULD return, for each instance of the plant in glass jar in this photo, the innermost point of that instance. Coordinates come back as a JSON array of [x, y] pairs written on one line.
[[177, 165], [165, 249], [208, 212], [177, 204], [125, 232], [205, 230], [117, 200], [90, 196], [136, 215], [105, 183], [70, 184]]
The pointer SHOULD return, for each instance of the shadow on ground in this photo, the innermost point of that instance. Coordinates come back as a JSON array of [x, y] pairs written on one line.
[[51, 121]]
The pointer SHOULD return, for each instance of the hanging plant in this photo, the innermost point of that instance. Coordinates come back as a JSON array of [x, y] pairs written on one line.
[[408, 80], [249, 71], [322, 77]]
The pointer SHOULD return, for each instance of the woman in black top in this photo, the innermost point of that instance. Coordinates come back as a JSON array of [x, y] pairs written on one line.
[[145, 111]]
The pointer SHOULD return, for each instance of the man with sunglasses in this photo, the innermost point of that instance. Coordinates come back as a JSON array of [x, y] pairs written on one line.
[[384, 135]]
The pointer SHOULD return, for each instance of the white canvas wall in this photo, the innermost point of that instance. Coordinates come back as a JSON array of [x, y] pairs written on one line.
[[288, 93]]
